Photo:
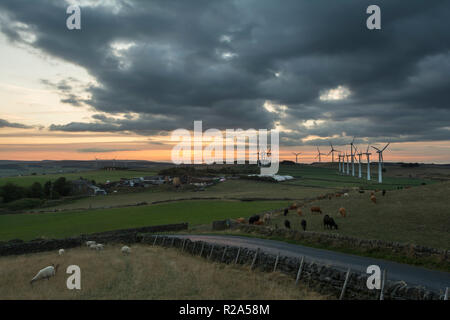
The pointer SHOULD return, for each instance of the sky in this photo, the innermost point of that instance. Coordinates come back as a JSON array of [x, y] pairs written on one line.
[[137, 70]]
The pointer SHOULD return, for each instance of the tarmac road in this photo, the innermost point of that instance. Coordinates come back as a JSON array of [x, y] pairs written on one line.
[[415, 276]]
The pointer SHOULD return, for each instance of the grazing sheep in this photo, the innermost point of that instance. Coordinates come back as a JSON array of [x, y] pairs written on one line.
[[253, 219], [267, 217], [61, 252], [240, 220], [89, 243], [287, 224], [286, 211], [373, 199], [346, 194], [329, 223], [299, 212], [342, 212], [316, 209], [126, 250], [384, 192], [45, 273], [303, 223], [97, 246]]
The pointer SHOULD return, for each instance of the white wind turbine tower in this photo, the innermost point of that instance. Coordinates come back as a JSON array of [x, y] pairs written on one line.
[[352, 157], [319, 154], [380, 162], [348, 167], [359, 163], [367, 153], [340, 168], [296, 156]]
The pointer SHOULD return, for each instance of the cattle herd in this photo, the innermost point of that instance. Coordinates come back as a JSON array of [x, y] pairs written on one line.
[[328, 222]]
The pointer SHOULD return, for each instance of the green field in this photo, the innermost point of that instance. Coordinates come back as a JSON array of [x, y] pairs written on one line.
[[321, 177], [65, 224], [100, 176], [230, 189], [420, 215]]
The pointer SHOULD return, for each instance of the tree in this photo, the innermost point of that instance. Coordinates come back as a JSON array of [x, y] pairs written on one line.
[[11, 192], [36, 190], [62, 186]]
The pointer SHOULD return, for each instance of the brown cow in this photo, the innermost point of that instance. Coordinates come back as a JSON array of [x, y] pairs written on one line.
[[293, 206], [373, 198], [316, 209], [240, 220], [338, 195], [299, 211], [342, 212], [259, 223]]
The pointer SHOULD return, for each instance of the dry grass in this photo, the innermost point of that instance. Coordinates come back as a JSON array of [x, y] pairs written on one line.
[[148, 273], [419, 215]]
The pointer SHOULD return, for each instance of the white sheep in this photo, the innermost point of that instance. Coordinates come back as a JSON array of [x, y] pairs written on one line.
[[97, 246], [126, 249], [89, 243], [61, 252], [45, 273], [346, 194]]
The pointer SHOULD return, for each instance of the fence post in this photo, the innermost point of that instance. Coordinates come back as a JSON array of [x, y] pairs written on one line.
[[347, 276], [164, 241], [254, 258], [237, 256], [383, 281], [193, 249], [173, 241], [276, 262], [223, 254], [210, 254], [203, 247], [184, 241], [446, 294], [156, 238], [299, 270]]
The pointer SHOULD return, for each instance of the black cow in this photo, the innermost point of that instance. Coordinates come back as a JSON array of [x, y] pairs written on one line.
[[303, 223], [329, 223], [287, 224], [384, 192], [253, 219], [286, 211]]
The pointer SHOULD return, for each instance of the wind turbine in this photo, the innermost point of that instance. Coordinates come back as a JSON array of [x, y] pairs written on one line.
[[352, 157], [319, 154], [296, 156], [359, 162], [367, 153], [333, 150], [380, 162], [348, 168], [339, 156]]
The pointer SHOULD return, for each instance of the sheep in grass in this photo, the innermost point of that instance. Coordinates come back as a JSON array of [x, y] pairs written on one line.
[[97, 246], [89, 243], [126, 250], [61, 252], [45, 273]]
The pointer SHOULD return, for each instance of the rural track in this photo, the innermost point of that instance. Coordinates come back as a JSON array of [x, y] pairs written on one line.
[[416, 276]]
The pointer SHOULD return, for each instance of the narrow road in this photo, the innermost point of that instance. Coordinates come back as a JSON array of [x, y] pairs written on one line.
[[415, 276]]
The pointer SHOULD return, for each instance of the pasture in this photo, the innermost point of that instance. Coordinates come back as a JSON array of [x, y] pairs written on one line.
[[419, 215], [100, 176], [147, 273], [65, 224]]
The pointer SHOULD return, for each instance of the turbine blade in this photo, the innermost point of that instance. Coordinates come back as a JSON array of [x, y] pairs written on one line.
[[386, 146]]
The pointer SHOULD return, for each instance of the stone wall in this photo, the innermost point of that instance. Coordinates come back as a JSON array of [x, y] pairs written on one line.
[[15, 247], [341, 240], [324, 279]]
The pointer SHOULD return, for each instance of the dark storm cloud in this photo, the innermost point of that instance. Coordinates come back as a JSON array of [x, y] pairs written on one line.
[[7, 124], [218, 61]]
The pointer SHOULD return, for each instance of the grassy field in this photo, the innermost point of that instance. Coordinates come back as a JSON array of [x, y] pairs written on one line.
[[64, 224], [419, 215], [148, 273], [314, 176], [100, 176], [230, 189]]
